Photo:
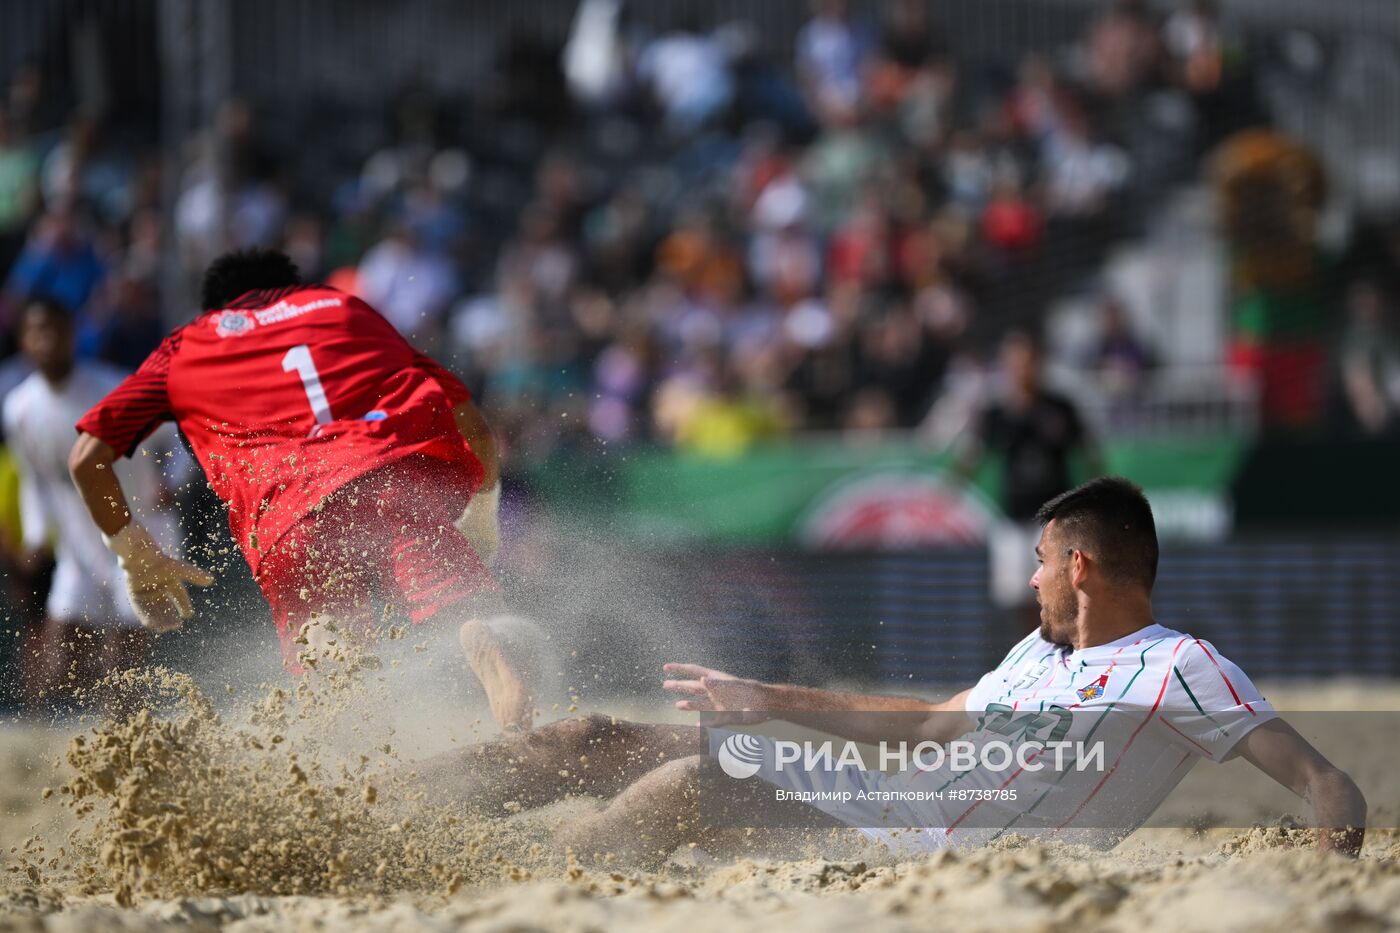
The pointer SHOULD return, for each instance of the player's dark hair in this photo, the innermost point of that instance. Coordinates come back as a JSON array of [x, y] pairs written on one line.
[[48, 306], [235, 274], [1110, 518]]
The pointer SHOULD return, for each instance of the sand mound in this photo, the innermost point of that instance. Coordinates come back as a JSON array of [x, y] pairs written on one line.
[[1034, 887], [1285, 835]]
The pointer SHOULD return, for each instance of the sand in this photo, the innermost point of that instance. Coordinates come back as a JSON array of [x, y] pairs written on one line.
[[252, 815]]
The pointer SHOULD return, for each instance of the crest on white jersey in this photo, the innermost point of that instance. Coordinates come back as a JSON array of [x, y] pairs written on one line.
[[1094, 690]]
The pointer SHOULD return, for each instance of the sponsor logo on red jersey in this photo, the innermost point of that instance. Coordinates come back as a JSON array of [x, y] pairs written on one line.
[[233, 324]]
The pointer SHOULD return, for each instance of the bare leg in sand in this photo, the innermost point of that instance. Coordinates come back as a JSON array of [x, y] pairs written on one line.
[[654, 777], [649, 772], [662, 789], [595, 756], [503, 653]]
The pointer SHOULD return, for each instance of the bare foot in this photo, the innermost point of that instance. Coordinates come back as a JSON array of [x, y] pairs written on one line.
[[510, 700]]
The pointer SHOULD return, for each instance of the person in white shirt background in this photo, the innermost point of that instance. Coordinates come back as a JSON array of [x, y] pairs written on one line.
[[89, 629]]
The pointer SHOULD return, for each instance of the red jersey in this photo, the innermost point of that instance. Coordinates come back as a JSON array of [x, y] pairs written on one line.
[[287, 395]]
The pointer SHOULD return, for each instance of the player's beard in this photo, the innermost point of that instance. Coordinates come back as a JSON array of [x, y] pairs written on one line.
[[1057, 615]]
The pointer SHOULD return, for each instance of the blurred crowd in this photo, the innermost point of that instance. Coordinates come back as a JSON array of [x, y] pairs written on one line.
[[709, 247]]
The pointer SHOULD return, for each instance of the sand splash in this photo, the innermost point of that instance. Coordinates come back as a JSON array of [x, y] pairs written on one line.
[[177, 800]]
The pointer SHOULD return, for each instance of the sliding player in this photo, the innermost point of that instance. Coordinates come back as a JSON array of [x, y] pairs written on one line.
[[1099, 672]]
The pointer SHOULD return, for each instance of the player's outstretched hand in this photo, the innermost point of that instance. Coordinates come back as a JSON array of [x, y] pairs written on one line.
[[155, 580], [688, 678], [716, 691], [480, 524]]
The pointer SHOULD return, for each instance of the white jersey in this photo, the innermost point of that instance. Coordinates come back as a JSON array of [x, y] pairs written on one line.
[[88, 588], [1141, 711], [1137, 713]]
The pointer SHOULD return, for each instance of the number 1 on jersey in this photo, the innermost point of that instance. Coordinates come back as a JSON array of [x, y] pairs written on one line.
[[298, 359]]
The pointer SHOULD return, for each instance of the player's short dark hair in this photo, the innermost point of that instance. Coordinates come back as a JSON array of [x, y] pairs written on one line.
[[236, 273], [1111, 519], [49, 307]]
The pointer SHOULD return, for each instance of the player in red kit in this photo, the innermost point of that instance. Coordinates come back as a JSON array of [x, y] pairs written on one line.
[[353, 466]]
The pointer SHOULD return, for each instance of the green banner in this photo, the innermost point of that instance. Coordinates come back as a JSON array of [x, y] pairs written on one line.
[[834, 494]]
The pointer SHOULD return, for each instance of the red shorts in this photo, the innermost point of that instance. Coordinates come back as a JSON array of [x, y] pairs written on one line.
[[386, 538]]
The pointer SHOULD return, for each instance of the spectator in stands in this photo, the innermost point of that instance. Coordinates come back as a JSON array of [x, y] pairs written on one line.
[[562, 187], [1369, 359], [1082, 176], [32, 104], [437, 219], [1193, 36], [1082, 171], [200, 222], [785, 259], [19, 190], [821, 366], [616, 237], [60, 261], [595, 56], [836, 168], [80, 171], [125, 324], [1031, 104], [411, 286], [909, 45], [144, 251], [351, 228], [256, 211], [305, 244], [701, 260], [832, 52], [721, 420], [1035, 432], [541, 255], [870, 415], [894, 357], [1012, 223], [1121, 358], [968, 172], [622, 376], [1123, 48], [688, 74], [862, 250]]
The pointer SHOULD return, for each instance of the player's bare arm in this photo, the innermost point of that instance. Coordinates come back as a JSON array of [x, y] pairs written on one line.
[[710, 690], [90, 463], [714, 690], [1339, 809], [155, 580], [480, 522], [476, 431]]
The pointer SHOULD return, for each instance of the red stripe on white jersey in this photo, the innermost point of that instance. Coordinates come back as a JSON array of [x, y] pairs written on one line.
[[1131, 739], [1229, 686]]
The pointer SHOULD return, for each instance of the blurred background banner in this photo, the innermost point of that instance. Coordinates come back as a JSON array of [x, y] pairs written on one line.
[[787, 313], [890, 494]]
